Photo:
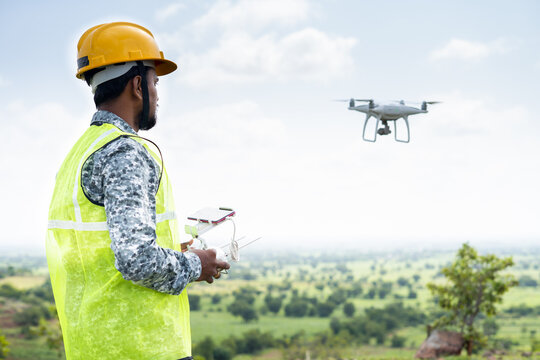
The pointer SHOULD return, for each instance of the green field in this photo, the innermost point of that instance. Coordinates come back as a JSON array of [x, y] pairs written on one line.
[[24, 282], [316, 277]]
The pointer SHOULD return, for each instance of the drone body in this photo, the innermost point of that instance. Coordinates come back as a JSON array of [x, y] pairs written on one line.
[[387, 112]]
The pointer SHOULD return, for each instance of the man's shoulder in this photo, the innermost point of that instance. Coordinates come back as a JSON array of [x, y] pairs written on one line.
[[123, 146]]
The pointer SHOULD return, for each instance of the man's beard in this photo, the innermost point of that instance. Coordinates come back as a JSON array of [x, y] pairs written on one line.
[[148, 123]]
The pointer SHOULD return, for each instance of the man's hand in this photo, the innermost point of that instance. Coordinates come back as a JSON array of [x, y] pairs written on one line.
[[211, 266], [185, 246]]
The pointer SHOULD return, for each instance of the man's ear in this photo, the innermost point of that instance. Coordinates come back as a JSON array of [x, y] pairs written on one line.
[[136, 87]]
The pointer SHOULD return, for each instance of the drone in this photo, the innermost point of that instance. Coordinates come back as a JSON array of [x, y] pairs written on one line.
[[384, 113]]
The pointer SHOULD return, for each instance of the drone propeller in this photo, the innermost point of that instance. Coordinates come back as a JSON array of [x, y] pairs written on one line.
[[366, 100], [401, 101], [347, 100], [425, 104]]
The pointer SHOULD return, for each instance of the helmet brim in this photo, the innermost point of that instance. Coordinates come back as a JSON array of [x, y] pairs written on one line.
[[164, 67]]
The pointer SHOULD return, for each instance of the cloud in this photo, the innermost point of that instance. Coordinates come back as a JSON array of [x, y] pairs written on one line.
[[247, 14], [460, 116], [469, 50], [305, 54], [169, 11], [4, 82], [37, 137], [236, 127]]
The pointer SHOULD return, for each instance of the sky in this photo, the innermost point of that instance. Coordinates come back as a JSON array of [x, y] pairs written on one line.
[[248, 121]]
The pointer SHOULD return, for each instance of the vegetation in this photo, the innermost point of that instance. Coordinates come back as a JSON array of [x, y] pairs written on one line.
[[4, 347], [475, 285], [288, 306]]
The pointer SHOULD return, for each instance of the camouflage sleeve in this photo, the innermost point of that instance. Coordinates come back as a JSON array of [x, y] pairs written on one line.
[[130, 178]]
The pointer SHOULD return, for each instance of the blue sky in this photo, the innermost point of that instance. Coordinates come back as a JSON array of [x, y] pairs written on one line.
[[248, 121]]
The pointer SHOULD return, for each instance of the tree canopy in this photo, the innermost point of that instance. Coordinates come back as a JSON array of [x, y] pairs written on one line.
[[475, 284]]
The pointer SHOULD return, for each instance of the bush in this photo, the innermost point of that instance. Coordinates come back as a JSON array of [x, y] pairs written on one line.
[[335, 325], [402, 281], [255, 340], [296, 308], [273, 303], [246, 294], [194, 302], [243, 309], [216, 299], [527, 281], [338, 297], [252, 341], [397, 341], [222, 354], [205, 348], [349, 309], [9, 291], [31, 315], [43, 292], [523, 310], [325, 309], [377, 323], [4, 347]]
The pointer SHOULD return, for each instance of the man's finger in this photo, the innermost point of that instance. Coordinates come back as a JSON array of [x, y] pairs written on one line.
[[223, 265]]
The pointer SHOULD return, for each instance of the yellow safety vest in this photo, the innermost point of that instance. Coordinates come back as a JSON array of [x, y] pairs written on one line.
[[102, 315]]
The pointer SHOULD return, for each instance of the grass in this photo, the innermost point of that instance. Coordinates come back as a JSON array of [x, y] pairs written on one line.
[[22, 349], [24, 282], [220, 325]]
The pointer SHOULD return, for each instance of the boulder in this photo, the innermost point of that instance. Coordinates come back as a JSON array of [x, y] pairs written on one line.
[[441, 343]]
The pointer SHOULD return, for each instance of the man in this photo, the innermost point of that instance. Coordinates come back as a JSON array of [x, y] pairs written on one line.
[[117, 268]]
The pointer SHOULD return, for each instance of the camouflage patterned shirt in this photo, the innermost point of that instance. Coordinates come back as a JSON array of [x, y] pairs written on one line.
[[124, 178]]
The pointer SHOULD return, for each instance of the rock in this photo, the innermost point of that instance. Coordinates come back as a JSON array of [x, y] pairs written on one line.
[[441, 343], [526, 354]]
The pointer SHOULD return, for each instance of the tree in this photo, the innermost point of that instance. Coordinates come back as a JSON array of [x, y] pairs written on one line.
[[245, 310], [325, 309], [402, 281], [474, 286], [205, 348], [397, 341], [194, 302], [490, 327], [216, 299], [298, 307], [339, 296], [53, 336], [349, 309], [273, 303], [412, 294]]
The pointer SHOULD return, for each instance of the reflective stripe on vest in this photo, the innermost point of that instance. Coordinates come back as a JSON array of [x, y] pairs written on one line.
[[102, 315]]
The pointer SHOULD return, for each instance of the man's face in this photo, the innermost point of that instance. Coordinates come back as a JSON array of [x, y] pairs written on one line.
[[152, 80]]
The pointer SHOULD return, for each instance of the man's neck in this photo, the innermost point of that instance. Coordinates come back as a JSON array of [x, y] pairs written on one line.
[[124, 112]]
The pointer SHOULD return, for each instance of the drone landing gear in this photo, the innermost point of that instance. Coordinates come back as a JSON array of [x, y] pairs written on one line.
[[408, 132], [385, 130], [382, 131]]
